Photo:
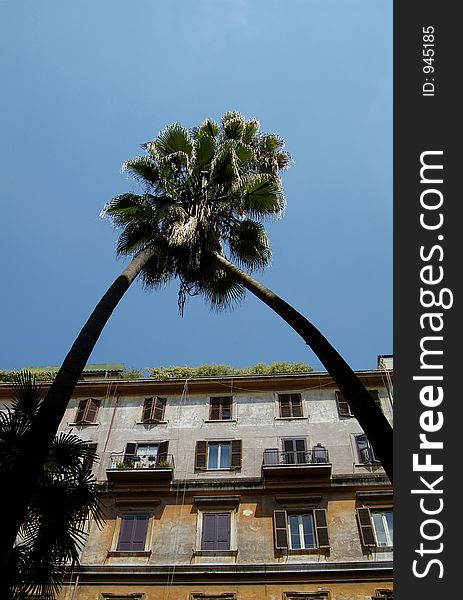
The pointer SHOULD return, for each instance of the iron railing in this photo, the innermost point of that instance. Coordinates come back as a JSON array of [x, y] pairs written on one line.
[[121, 460], [273, 457]]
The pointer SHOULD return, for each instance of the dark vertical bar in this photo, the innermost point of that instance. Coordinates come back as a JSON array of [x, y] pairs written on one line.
[[427, 293]]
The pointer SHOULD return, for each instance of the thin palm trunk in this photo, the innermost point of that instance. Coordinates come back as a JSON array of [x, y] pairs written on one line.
[[20, 483], [363, 407]]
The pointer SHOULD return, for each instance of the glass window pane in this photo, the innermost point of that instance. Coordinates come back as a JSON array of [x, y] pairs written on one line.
[[213, 456], [307, 527], [293, 521], [379, 528], [225, 456], [390, 526]]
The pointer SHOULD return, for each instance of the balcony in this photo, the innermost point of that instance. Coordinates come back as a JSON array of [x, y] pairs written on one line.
[[314, 463], [124, 466]]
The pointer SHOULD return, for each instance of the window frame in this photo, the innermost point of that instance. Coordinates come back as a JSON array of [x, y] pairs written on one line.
[[282, 531], [202, 455], [202, 541], [290, 397], [219, 400], [84, 408], [367, 527], [371, 456], [158, 403], [296, 454], [119, 530], [343, 408]]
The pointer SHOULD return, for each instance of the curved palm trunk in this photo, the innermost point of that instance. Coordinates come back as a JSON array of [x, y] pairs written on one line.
[[20, 483], [363, 407]]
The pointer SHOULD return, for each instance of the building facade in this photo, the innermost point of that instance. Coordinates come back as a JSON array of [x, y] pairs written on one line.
[[233, 488]]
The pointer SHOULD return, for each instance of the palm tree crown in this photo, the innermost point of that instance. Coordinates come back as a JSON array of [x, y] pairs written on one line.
[[205, 189]]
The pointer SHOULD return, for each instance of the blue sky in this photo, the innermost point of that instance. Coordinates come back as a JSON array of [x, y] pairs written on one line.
[[85, 83]]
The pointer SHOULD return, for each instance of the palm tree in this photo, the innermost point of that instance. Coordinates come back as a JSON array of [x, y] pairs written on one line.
[[53, 532], [204, 192]]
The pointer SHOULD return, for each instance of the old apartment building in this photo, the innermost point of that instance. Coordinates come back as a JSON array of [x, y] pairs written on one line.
[[233, 488]]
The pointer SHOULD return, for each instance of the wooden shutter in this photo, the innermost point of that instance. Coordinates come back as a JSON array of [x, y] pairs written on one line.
[[214, 411], [132, 536], [90, 459], [321, 527], [201, 455], [296, 405], [236, 450], [129, 455], [139, 532], [216, 531], [223, 531], [366, 527], [280, 527], [343, 407], [162, 451], [147, 409], [91, 410], [159, 407], [81, 411], [285, 406], [209, 541]]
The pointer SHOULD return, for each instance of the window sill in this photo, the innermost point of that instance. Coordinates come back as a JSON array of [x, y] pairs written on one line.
[[298, 551], [215, 552], [291, 418], [83, 424], [225, 470], [220, 420], [128, 553], [151, 422]]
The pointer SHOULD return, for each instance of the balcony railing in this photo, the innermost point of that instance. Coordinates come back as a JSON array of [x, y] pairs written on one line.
[[316, 456], [120, 460]]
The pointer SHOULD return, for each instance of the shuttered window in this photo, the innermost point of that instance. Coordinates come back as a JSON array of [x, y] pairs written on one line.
[[87, 411], [302, 530], [366, 527], [132, 536], [216, 531], [153, 409], [90, 459], [290, 405], [218, 455], [344, 409], [366, 454], [220, 408]]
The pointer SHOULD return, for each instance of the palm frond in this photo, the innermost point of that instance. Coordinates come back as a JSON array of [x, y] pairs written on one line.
[[204, 150], [142, 168], [207, 127], [173, 138], [222, 291], [260, 195], [249, 244]]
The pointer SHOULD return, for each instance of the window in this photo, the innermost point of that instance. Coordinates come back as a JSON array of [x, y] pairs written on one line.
[[145, 454], [383, 595], [218, 455], [87, 411], [376, 527], [344, 408], [290, 405], [306, 595], [365, 451], [295, 451], [220, 408], [91, 457], [132, 535], [301, 530], [223, 596], [216, 531], [153, 409]]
